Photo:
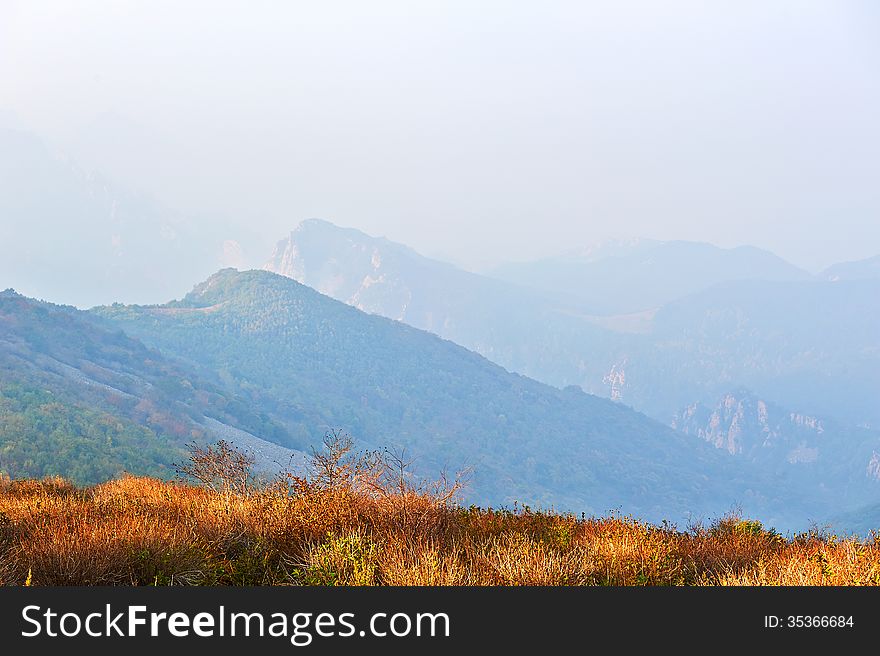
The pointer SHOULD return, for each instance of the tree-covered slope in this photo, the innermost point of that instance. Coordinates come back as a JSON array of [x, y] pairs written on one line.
[[813, 346], [44, 435], [82, 401]]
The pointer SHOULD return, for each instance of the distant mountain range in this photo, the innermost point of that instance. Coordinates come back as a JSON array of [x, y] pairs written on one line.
[[810, 346]]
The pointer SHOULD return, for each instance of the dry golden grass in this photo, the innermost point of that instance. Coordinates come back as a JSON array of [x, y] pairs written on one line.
[[141, 531]]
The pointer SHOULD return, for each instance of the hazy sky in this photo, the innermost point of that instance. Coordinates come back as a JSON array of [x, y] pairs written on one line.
[[478, 131]]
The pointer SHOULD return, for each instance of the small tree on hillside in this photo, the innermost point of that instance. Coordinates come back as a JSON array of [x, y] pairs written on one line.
[[396, 477], [219, 467], [335, 466]]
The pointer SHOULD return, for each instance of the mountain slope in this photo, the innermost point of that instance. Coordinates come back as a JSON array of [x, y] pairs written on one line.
[[85, 402], [392, 385], [519, 329], [646, 275]]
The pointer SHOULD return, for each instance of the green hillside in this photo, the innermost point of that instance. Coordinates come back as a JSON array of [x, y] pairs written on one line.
[[88, 403]]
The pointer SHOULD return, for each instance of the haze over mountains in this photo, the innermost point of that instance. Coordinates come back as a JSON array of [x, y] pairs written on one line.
[[485, 315], [734, 354], [267, 358], [57, 219], [778, 336], [632, 256]]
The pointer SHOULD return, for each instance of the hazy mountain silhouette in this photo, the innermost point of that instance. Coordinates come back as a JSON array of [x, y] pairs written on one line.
[[641, 275], [858, 270], [121, 245]]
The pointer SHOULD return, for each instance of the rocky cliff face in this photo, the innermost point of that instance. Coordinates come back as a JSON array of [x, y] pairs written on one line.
[[365, 272], [789, 443], [741, 423]]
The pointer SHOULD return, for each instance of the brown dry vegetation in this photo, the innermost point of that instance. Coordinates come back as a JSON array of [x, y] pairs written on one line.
[[143, 531]]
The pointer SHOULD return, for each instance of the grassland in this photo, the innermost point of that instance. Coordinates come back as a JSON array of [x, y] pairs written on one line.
[[144, 531]]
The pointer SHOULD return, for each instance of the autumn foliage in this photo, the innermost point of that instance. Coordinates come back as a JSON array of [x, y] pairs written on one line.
[[362, 523]]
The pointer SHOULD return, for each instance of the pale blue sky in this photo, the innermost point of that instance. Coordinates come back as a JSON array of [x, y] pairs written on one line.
[[479, 131]]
